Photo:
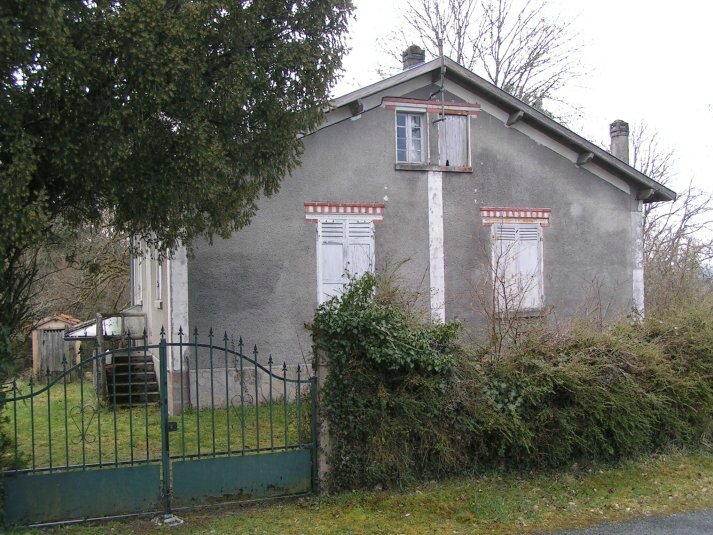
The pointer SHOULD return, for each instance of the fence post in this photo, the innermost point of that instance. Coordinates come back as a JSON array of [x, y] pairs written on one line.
[[98, 365], [324, 444], [165, 461]]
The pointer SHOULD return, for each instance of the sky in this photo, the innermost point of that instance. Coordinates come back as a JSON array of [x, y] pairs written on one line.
[[642, 61]]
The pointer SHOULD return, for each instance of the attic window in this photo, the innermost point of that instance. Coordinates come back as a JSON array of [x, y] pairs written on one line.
[[409, 137]]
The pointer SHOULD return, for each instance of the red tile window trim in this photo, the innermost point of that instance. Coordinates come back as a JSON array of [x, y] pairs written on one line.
[[492, 214], [375, 210]]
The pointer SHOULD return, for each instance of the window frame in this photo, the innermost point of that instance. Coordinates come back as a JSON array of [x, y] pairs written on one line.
[[321, 295], [495, 268], [138, 276], [409, 114], [321, 211]]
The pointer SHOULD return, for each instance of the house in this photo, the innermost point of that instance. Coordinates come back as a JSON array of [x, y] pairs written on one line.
[[437, 167]]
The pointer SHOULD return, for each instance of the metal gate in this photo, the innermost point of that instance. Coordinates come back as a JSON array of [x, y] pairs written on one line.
[[147, 427]]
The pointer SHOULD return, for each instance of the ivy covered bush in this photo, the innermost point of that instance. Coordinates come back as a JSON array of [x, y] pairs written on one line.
[[407, 401], [383, 396]]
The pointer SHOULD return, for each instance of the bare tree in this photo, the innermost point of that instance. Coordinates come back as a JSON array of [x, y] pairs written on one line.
[[500, 295], [515, 44], [677, 242], [82, 272]]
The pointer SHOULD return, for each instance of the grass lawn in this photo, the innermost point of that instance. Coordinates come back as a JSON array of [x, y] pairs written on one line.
[[492, 503], [126, 434]]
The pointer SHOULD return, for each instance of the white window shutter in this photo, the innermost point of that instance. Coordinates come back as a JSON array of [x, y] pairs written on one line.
[[332, 262], [453, 141], [138, 277], [517, 266], [505, 265], [346, 249], [360, 252], [529, 266]]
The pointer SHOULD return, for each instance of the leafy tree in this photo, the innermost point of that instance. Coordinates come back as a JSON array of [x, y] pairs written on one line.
[[163, 119], [167, 119]]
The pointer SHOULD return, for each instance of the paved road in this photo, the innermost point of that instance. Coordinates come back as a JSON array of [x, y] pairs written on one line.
[[696, 523]]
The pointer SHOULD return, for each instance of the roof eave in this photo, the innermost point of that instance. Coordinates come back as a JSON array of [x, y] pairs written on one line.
[[563, 134]]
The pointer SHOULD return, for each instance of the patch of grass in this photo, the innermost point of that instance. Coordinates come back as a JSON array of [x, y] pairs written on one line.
[[124, 434], [491, 503]]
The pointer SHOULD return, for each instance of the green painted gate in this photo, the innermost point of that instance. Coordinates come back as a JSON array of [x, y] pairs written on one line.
[[150, 426]]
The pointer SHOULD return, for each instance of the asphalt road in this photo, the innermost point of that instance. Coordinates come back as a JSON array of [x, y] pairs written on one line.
[[696, 523]]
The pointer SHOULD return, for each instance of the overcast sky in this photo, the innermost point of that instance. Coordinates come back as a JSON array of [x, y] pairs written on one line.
[[645, 60]]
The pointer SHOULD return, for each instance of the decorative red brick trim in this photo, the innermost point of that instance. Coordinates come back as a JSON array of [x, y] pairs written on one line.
[[492, 215], [432, 106], [374, 211]]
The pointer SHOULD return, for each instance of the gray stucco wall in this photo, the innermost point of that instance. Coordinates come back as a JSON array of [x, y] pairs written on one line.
[[587, 247], [261, 283]]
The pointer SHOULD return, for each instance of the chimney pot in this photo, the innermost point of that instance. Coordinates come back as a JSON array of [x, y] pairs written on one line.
[[412, 56], [619, 132]]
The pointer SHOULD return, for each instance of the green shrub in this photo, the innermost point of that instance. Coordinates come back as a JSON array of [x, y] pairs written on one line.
[[405, 401]]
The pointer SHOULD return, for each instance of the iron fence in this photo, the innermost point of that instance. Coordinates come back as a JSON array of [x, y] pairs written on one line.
[[174, 401]]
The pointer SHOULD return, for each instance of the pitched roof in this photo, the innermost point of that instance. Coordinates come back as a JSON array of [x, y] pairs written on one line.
[[524, 113], [57, 316]]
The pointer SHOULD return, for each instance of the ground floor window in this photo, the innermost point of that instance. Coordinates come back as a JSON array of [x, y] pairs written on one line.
[[345, 243], [517, 258], [517, 266]]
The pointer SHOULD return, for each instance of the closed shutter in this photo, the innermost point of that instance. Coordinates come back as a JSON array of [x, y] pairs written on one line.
[[505, 264], [453, 140], [360, 248], [332, 242], [529, 264], [346, 250], [517, 264]]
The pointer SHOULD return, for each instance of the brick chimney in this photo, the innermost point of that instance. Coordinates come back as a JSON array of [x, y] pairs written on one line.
[[619, 132], [412, 56]]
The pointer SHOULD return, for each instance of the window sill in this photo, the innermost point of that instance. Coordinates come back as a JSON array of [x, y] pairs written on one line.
[[525, 314], [426, 167]]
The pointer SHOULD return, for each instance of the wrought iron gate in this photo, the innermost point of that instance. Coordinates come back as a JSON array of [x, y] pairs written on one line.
[[178, 423]]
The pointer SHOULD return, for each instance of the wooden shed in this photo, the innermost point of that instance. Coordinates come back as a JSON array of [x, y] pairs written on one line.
[[49, 345]]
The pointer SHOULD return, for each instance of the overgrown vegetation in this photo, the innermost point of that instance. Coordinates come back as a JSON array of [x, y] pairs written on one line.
[[406, 402]]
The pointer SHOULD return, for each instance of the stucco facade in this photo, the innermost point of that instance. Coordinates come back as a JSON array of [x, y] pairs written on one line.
[[262, 283]]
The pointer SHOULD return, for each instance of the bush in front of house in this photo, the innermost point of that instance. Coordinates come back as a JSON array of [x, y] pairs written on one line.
[[406, 401]]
